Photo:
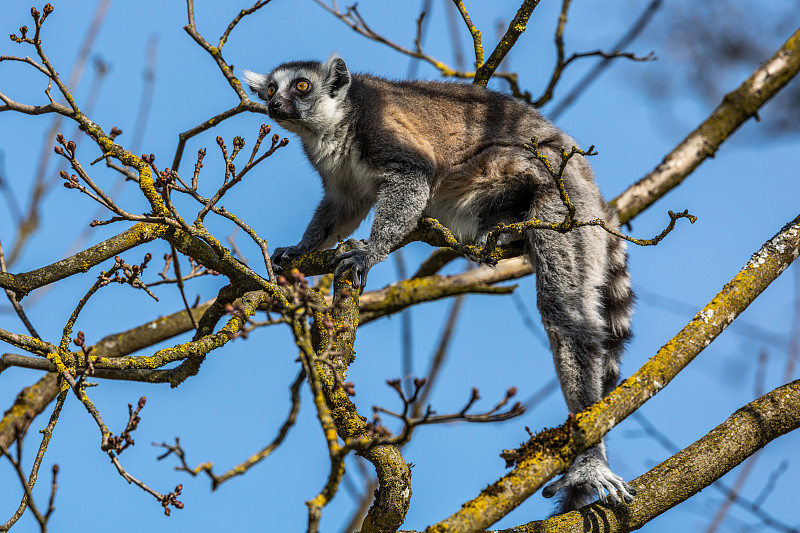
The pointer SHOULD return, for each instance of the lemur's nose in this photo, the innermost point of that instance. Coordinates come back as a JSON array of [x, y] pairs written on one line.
[[274, 105]]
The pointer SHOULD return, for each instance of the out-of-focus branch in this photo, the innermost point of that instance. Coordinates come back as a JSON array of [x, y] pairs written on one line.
[[736, 107], [47, 434], [794, 339], [638, 26], [40, 186], [744, 472], [552, 452], [562, 64], [12, 298]]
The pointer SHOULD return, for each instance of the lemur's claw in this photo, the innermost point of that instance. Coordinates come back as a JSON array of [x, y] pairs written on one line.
[[284, 254], [590, 475], [357, 262]]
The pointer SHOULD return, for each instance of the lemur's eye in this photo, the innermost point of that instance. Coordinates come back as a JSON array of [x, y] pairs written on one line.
[[303, 86], [271, 91]]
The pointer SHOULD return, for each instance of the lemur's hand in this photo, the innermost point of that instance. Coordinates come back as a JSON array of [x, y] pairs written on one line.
[[357, 261], [282, 255]]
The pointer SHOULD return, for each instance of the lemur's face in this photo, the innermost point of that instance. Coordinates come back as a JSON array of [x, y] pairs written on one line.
[[302, 96], [289, 95], [292, 94]]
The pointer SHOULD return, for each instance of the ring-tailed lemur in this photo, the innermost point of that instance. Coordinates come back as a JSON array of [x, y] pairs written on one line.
[[454, 152]]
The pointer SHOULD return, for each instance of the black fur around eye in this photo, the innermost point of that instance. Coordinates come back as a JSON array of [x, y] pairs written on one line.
[[271, 90]]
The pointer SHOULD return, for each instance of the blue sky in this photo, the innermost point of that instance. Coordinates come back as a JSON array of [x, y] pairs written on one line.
[[237, 402]]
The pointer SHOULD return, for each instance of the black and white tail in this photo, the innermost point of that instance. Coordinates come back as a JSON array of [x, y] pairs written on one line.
[[617, 305]]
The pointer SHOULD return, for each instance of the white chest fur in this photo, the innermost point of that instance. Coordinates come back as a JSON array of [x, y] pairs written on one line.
[[338, 161]]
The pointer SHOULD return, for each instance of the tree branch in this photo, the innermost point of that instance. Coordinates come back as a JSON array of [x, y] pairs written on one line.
[[736, 107]]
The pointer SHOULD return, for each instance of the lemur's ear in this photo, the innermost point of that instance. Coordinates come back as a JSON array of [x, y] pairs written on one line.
[[335, 75], [257, 82]]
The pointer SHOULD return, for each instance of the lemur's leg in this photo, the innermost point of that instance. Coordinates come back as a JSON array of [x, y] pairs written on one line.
[[332, 219], [402, 197], [571, 271]]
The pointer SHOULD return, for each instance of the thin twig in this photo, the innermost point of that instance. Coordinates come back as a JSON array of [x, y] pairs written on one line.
[[14, 302], [179, 280], [242, 468], [584, 83], [239, 16]]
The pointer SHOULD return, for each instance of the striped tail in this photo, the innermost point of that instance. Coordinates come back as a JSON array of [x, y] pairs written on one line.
[[617, 301]]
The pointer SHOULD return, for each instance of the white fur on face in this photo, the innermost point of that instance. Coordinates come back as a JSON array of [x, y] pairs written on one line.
[[283, 78], [324, 113], [257, 82], [319, 112]]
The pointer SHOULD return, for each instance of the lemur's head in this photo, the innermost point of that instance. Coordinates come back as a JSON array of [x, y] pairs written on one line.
[[303, 96]]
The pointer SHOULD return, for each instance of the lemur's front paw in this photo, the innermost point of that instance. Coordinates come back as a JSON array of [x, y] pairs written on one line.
[[357, 261], [281, 255], [590, 474]]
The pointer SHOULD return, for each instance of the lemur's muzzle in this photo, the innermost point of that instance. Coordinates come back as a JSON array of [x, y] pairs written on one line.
[[280, 108]]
